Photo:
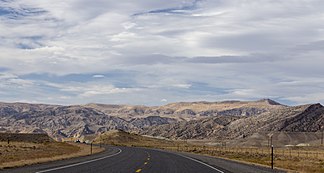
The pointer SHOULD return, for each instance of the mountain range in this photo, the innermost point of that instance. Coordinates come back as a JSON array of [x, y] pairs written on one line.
[[183, 120]]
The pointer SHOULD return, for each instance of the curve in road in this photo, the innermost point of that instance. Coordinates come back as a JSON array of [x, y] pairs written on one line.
[[80, 163], [137, 160], [127, 160]]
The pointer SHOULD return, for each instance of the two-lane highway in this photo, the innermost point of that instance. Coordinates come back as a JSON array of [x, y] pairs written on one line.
[[135, 160], [125, 160]]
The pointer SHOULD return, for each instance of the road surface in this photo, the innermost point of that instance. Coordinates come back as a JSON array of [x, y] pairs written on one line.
[[139, 160]]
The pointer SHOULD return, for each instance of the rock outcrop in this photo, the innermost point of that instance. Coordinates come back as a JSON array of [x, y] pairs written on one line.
[[194, 120]]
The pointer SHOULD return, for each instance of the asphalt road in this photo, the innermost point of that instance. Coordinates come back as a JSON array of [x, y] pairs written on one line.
[[140, 160]]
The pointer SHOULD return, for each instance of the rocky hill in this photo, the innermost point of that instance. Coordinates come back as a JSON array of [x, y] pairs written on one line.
[[192, 120], [306, 118], [190, 110]]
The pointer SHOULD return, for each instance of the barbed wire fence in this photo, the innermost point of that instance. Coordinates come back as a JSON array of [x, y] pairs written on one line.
[[288, 146]]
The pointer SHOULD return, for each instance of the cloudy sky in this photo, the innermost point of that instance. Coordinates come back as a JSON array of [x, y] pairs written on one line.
[[154, 52]]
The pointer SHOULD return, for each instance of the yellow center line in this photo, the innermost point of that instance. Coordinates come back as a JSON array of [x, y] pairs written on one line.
[[145, 163]]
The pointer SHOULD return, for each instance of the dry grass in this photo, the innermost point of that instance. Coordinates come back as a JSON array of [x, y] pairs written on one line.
[[122, 138], [22, 153], [308, 159]]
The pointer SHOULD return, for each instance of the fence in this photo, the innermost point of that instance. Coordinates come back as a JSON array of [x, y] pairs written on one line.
[[289, 152], [301, 151]]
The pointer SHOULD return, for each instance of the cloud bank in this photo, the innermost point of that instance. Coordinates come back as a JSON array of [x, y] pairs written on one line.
[[154, 52]]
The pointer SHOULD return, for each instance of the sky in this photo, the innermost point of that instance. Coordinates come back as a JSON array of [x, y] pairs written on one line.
[[154, 52]]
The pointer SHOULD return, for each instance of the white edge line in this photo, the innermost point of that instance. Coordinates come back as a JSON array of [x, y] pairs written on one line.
[[202, 163], [191, 159], [81, 163]]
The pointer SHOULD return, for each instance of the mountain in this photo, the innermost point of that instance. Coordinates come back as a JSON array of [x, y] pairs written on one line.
[[306, 118], [57, 121], [190, 110], [183, 120]]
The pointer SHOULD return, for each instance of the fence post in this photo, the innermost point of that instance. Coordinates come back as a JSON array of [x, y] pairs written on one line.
[[322, 138], [100, 141], [91, 148]]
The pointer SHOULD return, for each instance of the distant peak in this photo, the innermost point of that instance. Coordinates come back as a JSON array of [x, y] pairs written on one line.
[[314, 106], [269, 101]]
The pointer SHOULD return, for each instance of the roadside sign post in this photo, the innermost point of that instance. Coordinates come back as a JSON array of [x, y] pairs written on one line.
[[271, 156], [270, 139], [271, 145]]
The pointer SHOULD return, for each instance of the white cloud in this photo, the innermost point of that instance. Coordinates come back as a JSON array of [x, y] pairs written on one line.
[[98, 76], [307, 98], [84, 90], [180, 50]]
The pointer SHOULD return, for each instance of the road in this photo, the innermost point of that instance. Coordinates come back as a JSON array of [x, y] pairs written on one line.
[[139, 160]]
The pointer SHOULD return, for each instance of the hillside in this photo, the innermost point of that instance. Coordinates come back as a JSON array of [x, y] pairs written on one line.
[[118, 137], [189, 110], [23, 137], [26, 149], [184, 120], [306, 118]]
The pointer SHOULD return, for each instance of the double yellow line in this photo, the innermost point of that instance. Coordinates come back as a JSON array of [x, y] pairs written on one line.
[[145, 163]]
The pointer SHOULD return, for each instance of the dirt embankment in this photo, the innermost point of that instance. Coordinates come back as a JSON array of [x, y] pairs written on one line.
[[27, 149]]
